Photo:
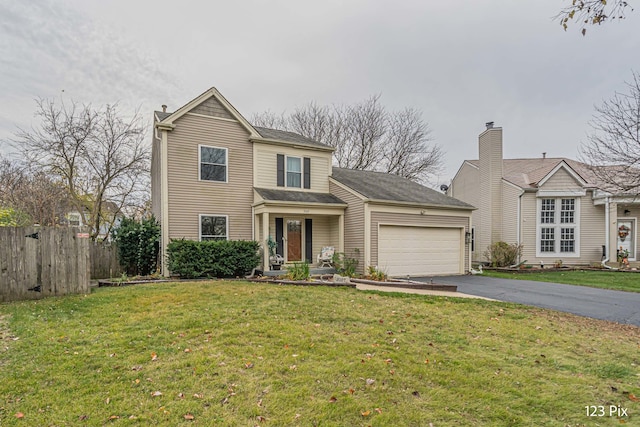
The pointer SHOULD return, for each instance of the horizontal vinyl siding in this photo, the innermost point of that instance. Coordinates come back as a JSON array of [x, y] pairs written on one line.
[[592, 231], [510, 213], [414, 220], [561, 180], [466, 187], [353, 224], [189, 197], [211, 107], [266, 175], [592, 235]]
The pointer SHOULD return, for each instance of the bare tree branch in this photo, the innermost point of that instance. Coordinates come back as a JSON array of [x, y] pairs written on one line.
[[612, 150], [592, 12], [366, 136], [100, 158]]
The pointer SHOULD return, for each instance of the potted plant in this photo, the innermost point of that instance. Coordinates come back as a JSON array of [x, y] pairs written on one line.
[[623, 257], [275, 259]]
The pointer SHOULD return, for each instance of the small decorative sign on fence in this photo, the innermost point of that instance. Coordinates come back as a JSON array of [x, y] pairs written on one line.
[[83, 235]]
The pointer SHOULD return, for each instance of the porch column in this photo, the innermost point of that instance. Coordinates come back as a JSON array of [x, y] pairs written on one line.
[[265, 236], [613, 232], [341, 233]]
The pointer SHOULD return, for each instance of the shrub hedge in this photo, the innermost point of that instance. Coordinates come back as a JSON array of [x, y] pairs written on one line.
[[138, 245], [213, 258]]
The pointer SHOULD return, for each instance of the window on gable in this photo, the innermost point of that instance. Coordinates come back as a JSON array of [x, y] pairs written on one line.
[[213, 164], [294, 172], [213, 227]]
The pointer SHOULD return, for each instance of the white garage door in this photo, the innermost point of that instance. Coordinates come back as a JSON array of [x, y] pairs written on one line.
[[418, 251]]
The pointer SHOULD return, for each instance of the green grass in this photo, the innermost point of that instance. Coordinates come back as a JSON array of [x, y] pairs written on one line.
[[246, 354], [616, 280]]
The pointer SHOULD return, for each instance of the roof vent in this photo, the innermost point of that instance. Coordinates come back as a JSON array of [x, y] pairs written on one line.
[[164, 108], [489, 125]]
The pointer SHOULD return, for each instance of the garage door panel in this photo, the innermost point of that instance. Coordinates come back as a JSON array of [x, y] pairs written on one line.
[[419, 250]]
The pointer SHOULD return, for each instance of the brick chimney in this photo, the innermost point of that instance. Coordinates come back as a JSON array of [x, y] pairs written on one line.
[[490, 164]]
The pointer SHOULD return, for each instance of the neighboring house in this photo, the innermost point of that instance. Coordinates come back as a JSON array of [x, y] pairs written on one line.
[[215, 176], [553, 207]]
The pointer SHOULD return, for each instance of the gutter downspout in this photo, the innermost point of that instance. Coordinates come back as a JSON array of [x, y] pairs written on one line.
[[606, 235]]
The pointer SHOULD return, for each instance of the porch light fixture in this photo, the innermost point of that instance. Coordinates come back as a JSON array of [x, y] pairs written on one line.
[[627, 212], [467, 237]]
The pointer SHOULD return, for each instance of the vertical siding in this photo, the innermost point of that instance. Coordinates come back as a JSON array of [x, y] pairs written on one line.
[[189, 197], [266, 155], [510, 213], [353, 224], [466, 187], [415, 220]]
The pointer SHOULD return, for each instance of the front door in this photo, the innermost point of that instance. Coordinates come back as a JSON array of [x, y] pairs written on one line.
[[627, 236], [294, 240]]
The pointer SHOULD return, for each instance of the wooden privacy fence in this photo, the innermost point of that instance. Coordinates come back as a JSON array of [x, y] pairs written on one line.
[[104, 260], [37, 262]]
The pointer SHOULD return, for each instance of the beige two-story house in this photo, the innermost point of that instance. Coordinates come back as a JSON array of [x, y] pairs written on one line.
[[215, 176], [554, 207]]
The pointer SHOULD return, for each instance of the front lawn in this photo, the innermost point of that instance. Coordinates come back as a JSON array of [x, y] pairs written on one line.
[[617, 280], [246, 354]]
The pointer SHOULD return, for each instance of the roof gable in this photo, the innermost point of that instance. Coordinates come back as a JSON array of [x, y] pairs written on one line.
[[563, 166]]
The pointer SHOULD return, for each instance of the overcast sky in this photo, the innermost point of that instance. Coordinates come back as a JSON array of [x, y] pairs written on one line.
[[462, 63]]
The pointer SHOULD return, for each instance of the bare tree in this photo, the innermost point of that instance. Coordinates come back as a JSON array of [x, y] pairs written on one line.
[[33, 193], [100, 158], [592, 12], [366, 136], [612, 150]]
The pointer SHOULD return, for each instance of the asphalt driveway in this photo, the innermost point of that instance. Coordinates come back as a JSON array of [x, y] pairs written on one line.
[[616, 306]]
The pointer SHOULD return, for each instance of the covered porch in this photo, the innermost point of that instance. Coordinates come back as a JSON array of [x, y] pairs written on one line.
[[299, 224], [621, 214]]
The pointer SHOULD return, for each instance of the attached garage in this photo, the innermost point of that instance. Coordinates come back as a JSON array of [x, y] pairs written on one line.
[[415, 251]]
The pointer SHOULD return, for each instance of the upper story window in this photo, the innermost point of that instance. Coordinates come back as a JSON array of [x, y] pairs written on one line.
[[567, 211], [294, 172], [213, 164], [548, 211], [213, 227]]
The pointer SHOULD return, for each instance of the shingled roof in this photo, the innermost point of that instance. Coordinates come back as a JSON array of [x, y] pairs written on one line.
[[298, 196], [393, 188], [281, 135], [526, 173]]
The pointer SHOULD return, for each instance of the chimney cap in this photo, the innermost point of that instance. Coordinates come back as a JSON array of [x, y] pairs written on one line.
[[489, 125], [544, 155], [164, 108]]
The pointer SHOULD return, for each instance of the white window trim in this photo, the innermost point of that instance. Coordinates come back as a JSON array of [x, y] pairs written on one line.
[[286, 171], [557, 225], [226, 161], [200, 224]]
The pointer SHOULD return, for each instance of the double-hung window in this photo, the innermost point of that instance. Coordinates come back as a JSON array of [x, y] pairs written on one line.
[[294, 172], [213, 164], [557, 227], [214, 227]]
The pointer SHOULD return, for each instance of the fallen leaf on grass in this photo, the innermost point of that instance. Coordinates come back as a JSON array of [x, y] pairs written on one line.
[[378, 410], [633, 397], [351, 391], [136, 368], [248, 365], [261, 419], [370, 381], [187, 350], [365, 413], [333, 399], [189, 417], [19, 415], [156, 393], [83, 417], [197, 396], [114, 417], [154, 357]]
